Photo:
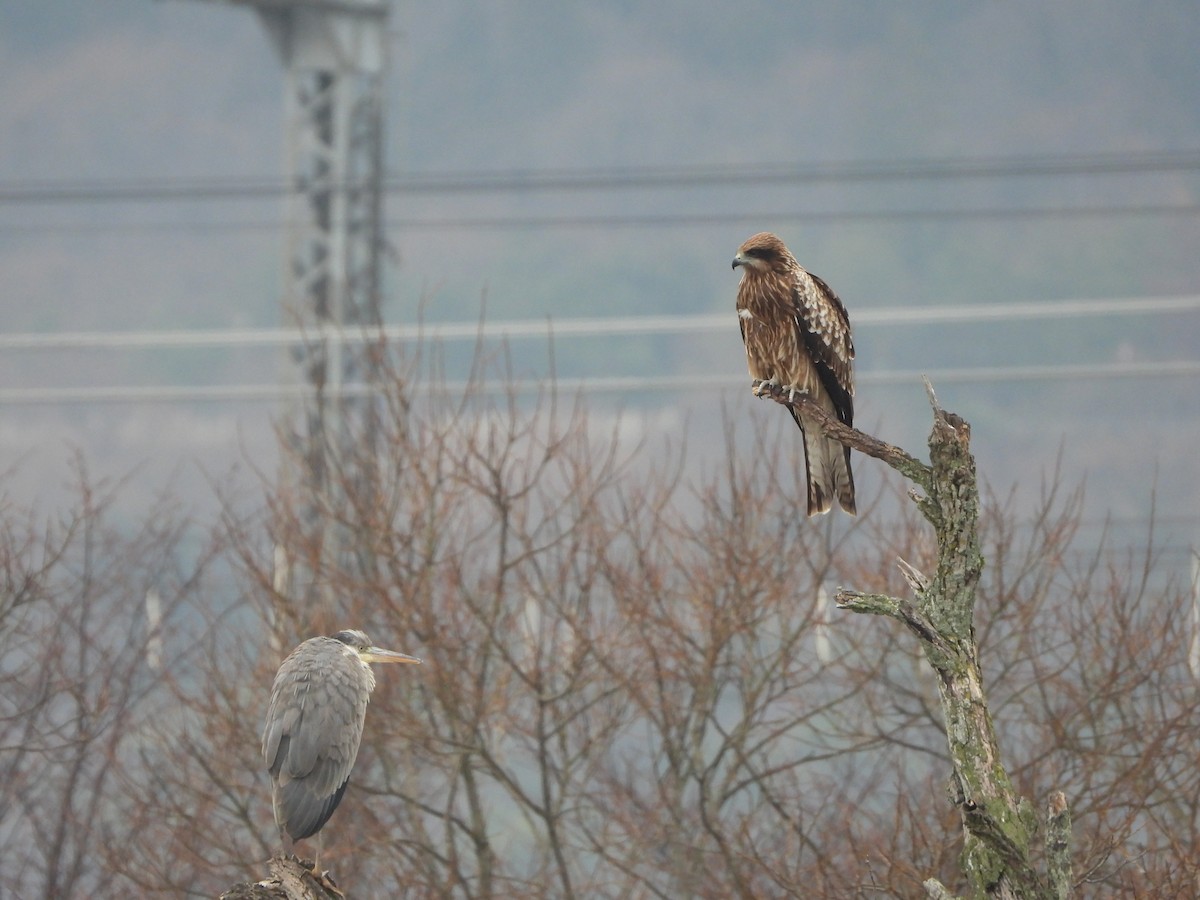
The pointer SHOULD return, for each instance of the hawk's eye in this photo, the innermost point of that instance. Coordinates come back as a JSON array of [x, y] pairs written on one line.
[[758, 252]]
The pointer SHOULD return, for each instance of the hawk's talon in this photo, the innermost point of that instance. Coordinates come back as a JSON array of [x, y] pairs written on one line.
[[794, 391], [765, 386]]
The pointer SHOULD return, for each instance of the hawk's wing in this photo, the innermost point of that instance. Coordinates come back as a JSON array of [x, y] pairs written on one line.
[[824, 327]]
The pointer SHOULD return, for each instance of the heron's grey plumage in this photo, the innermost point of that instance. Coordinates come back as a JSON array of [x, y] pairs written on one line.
[[313, 727]]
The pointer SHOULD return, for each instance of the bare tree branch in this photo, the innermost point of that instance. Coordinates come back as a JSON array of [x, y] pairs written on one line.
[[912, 469], [624, 695]]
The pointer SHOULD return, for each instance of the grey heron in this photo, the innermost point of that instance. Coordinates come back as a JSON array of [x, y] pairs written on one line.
[[314, 725]]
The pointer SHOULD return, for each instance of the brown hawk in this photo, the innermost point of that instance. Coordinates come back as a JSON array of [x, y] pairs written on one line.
[[797, 337]]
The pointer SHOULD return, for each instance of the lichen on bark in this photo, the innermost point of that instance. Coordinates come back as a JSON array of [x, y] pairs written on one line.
[[999, 826]]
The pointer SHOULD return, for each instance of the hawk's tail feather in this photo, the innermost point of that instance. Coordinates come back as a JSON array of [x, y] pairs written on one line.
[[843, 477], [827, 471]]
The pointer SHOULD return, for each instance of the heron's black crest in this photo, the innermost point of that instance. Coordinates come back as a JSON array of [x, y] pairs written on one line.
[[353, 638]]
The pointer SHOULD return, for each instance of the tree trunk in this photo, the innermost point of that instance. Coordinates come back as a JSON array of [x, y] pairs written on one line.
[[999, 826]]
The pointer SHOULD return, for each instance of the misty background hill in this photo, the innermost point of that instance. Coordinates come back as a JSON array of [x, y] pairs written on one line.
[[914, 155]]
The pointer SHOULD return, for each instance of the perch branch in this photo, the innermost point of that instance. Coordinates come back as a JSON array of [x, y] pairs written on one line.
[[912, 469], [290, 879]]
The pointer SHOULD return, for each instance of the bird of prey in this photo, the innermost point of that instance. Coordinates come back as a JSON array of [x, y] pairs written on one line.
[[797, 337]]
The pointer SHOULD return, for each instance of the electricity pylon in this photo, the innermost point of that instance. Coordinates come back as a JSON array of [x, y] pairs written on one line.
[[334, 54]]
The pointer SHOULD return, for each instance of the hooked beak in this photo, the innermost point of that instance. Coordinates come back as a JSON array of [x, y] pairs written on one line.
[[379, 655], [739, 260]]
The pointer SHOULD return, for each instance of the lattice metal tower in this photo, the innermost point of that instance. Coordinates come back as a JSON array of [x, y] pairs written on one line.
[[334, 54]]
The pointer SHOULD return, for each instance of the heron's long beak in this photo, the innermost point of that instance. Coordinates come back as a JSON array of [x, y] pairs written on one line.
[[379, 655]]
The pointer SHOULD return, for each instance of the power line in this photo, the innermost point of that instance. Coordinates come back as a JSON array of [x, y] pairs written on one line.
[[608, 179], [274, 392], [833, 171], [583, 327], [653, 220], [812, 217]]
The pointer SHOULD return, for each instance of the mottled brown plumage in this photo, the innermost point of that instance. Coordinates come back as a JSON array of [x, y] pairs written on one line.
[[797, 335]]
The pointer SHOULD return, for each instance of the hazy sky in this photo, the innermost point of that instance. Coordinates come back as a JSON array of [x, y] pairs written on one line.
[[131, 90]]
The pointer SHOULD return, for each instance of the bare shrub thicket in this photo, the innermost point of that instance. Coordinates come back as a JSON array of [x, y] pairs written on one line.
[[81, 683], [632, 687]]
